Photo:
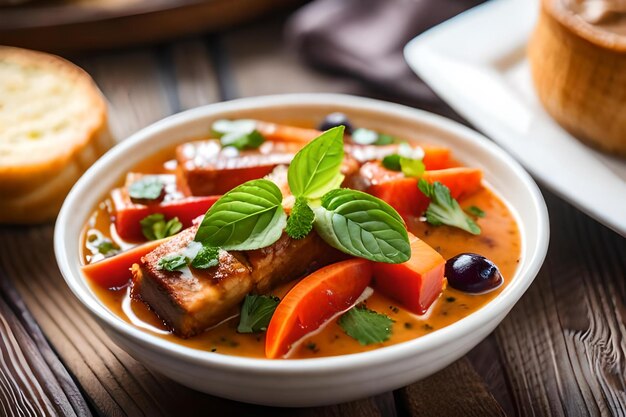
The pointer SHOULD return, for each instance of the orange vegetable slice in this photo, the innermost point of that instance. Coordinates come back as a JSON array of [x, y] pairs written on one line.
[[416, 283], [314, 300]]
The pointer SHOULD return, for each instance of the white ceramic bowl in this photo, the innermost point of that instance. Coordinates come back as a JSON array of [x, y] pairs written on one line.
[[320, 381]]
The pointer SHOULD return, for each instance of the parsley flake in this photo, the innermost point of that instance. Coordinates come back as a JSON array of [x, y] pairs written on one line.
[[146, 188], [206, 258], [476, 211], [300, 222], [155, 227], [256, 313], [444, 209], [366, 326], [107, 248], [172, 262], [239, 134]]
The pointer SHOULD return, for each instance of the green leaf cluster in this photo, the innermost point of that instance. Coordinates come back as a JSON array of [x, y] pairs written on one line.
[[149, 187], [256, 313], [300, 220], [251, 215], [443, 209], [240, 134], [155, 226], [247, 217], [407, 160], [362, 225], [366, 326]]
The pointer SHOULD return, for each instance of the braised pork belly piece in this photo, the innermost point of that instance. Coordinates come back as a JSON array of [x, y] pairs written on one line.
[[207, 168], [191, 300]]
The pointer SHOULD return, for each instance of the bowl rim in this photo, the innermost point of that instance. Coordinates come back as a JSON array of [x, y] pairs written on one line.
[[498, 307]]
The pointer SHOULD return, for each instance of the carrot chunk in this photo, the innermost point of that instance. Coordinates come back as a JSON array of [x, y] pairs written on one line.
[[114, 272], [416, 283], [402, 193], [284, 133], [313, 301]]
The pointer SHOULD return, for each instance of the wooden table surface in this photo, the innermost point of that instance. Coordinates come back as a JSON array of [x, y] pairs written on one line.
[[561, 351]]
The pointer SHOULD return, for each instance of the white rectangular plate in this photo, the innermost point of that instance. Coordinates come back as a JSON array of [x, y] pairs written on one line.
[[477, 63]]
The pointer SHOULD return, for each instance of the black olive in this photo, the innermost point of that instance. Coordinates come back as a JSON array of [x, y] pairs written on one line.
[[472, 273], [336, 119]]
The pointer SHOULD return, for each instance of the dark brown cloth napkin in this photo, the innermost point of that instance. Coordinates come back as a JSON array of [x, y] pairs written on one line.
[[365, 38]]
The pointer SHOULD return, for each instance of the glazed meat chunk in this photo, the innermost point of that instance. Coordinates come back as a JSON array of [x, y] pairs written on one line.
[[191, 300], [205, 168]]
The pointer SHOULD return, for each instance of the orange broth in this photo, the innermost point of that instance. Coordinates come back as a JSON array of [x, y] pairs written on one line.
[[499, 241]]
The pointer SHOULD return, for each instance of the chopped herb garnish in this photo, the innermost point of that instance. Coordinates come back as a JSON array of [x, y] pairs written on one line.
[[146, 188], [408, 160], [256, 313], [242, 141], [366, 326], [240, 134], [450, 299], [428, 327], [384, 139], [300, 222], [106, 247], [444, 209], [155, 227], [206, 258], [476, 211], [251, 215], [172, 262], [392, 162]]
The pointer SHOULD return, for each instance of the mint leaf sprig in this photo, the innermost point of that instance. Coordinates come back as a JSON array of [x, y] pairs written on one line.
[[155, 227], [240, 134], [408, 160], [256, 313], [443, 209], [251, 215], [366, 326]]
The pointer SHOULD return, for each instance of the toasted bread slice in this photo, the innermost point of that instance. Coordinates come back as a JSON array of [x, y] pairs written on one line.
[[53, 125]]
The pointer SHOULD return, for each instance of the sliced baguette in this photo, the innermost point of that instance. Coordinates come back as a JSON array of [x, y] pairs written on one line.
[[53, 125]]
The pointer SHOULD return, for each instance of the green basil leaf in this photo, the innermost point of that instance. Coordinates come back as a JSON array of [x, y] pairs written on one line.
[[148, 187], [362, 225], [155, 227], [443, 209], [206, 258], [300, 221], [247, 217], [256, 313], [172, 262], [316, 168], [366, 326]]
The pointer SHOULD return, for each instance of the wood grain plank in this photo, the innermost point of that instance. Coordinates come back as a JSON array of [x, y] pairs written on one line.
[[194, 72], [564, 344], [456, 390], [32, 380]]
